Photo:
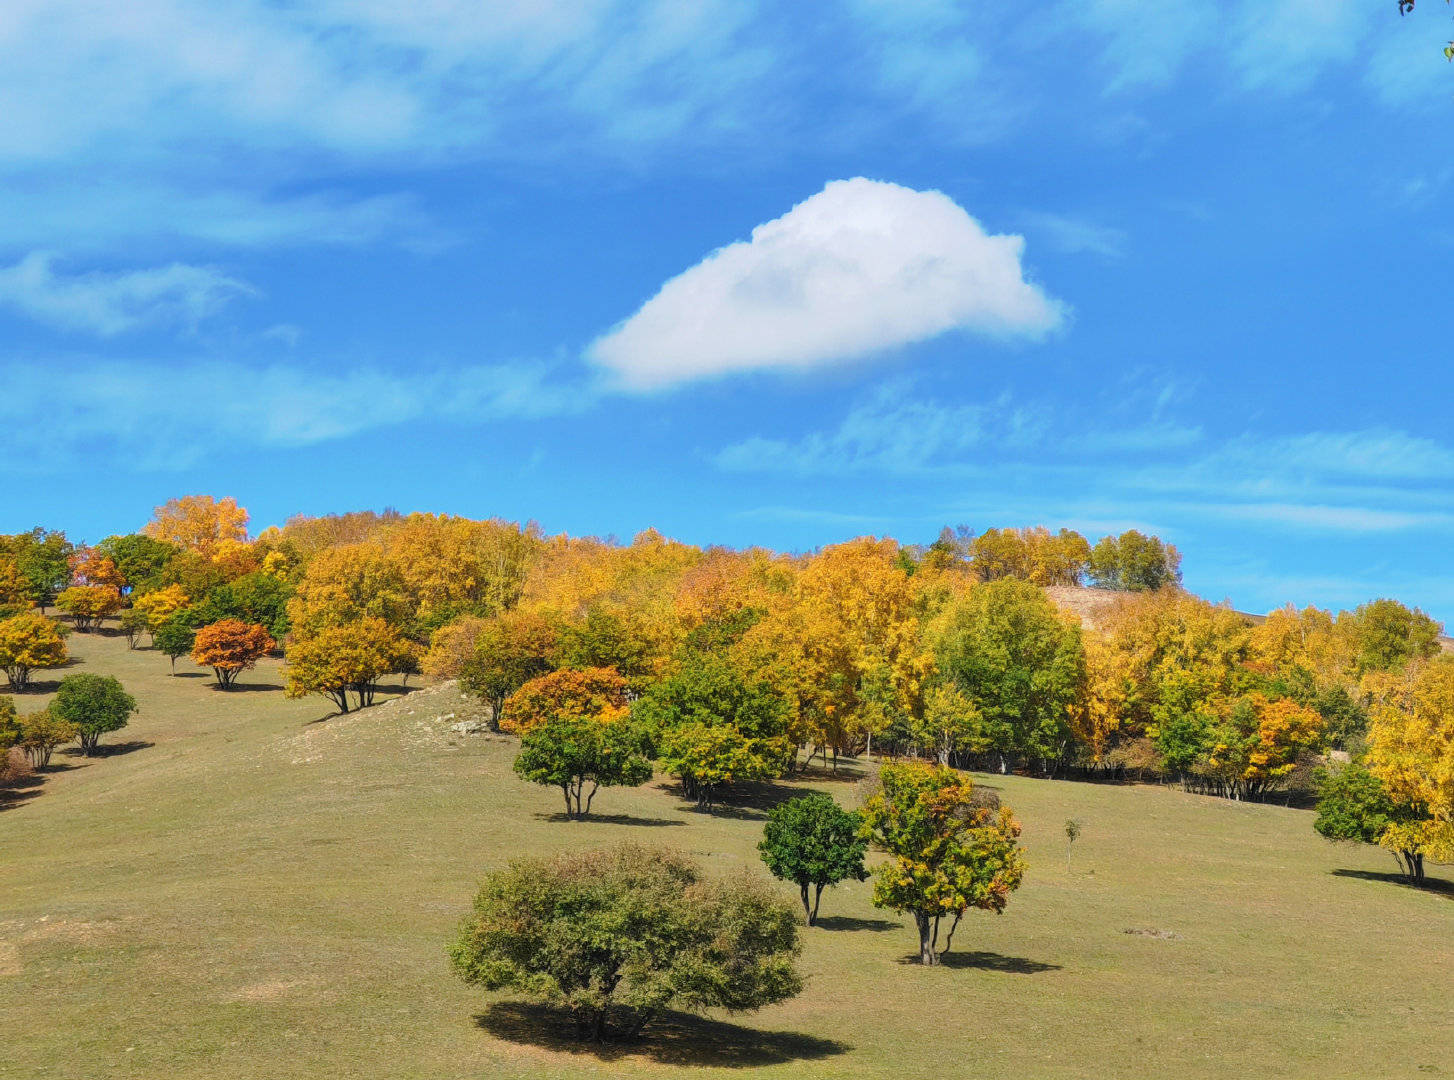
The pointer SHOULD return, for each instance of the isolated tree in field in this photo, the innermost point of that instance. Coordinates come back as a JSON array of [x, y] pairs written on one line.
[[338, 660], [87, 605], [1135, 562], [587, 692], [159, 606], [29, 641], [174, 639], [949, 851], [581, 754], [1354, 805], [198, 523], [96, 704], [229, 648], [133, 624], [505, 652], [814, 843], [1020, 661], [41, 732], [619, 936]]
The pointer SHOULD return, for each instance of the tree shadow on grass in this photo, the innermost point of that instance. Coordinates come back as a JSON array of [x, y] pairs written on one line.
[[851, 922], [610, 819], [105, 749], [190, 675], [988, 961], [19, 791], [249, 688], [674, 1039], [1430, 885]]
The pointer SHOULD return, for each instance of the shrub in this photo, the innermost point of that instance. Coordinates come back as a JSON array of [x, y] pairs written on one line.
[[617, 936], [41, 732], [96, 704]]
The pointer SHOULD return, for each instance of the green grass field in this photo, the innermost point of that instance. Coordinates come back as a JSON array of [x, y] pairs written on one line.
[[249, 891]]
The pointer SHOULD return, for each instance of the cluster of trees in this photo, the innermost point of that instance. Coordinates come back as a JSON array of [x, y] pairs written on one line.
[[616, 937], [85, 707]]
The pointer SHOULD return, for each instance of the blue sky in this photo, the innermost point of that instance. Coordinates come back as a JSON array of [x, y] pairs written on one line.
[[749, 273]]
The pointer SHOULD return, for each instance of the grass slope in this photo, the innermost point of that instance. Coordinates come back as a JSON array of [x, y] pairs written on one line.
[[253, 891]]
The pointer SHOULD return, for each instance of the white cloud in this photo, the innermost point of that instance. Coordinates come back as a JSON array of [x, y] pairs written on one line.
[[109, 303], [861, 267], [150, 411]]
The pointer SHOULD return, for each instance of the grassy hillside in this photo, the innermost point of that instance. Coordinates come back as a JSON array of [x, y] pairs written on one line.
[[250, 890]]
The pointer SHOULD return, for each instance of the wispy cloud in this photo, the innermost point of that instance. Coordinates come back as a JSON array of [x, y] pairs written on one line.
[[1075, 235], [167, 416], [1148, 467], [861, 267], [109, 303]]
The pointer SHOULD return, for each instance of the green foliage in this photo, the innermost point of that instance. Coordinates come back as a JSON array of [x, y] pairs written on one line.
[[44, 560], [949, 850], [258, 598], [606, 639], [812, 841], [133, 625], [618, 936], [571, 752], [1388, 635], [1008, 650], [509, 651], [716, 724], [175, 637], [1353, 805], [96, 704], [706, 757], [1135, 562], [141, 559]]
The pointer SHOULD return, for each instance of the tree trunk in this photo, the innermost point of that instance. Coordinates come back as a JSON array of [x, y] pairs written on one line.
[[817, 899], [807, 911], [926, 938]]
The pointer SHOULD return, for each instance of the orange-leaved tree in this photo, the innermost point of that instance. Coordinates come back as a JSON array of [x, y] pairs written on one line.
[[230, 647], [583, 692]]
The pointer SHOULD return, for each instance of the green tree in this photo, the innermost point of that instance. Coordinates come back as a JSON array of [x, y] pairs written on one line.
[[706, 757], [133, 625], [258, 598], [96, 704], [571, 752], [1387, 635], [812, 841], [618, 936], [1135, 562], [141, 560], [949, 850], [174, 638], [509, 650], [44, 560], [1354, 805], [1020, 662]]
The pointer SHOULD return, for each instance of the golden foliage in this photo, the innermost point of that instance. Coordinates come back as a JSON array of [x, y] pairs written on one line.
[[198, 523]]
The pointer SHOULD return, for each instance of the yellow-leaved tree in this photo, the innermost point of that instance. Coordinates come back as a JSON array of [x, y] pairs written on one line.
[[1411, 750], [198, 523]]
